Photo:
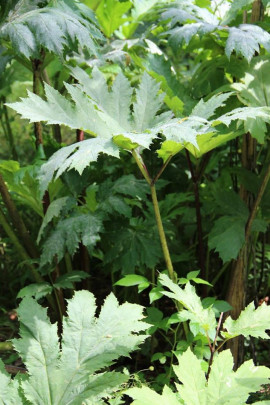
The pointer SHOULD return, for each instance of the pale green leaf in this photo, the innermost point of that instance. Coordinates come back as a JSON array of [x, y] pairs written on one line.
[[39, 349], [206, 109], [55, 28], [201, 320], [246, 40], [228, 387], [242, 113], [79, 156], [69, 375], [191, 375], [147, 104], [251, 322], [146, 396]]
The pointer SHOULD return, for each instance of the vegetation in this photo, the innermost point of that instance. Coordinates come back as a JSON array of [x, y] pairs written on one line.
[[135, 159]]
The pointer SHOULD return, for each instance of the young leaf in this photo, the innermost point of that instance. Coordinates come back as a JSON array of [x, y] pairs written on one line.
[[131, 280], [201, 320], [251, 322]]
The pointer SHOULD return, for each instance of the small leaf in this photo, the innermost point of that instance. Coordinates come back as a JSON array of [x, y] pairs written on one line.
[[67, 280], [37, 290], [131, 280]]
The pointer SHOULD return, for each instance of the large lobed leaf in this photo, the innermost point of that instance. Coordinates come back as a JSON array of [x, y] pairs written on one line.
[[244, 40], [55, 28], [69, 375], [224, 387]]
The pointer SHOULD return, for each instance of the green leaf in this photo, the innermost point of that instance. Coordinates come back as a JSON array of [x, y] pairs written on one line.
[[206, 109], [110, 14], [190, 373], [147, 104], [131, 280], [67, 280], [68, 234], [78, 156], [251, 322], [169, 149], [37, 290], [70, 375], [246, 40], [235, 7], [55, 28], [146, 396], [155, 294], [54, 211], [227, 236], [201, 320]]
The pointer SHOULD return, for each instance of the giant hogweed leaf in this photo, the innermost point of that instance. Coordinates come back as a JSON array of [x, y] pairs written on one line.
[[206, 109], [69, 376], [244, 40], [224, 387], [78, 156], [54, 28], [254, 91], [251, 322], [201, 320], [68, 234]]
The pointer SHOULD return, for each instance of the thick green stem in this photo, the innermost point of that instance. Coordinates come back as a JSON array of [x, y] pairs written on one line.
[[161, 232], [162, 235]]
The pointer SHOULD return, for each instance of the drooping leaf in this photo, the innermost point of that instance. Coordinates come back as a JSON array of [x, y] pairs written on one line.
[[68, 234], [54, 28], [246, 40], [251, 322]]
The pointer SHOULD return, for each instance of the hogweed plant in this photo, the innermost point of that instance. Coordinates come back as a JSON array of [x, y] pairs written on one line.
[[116, 120]]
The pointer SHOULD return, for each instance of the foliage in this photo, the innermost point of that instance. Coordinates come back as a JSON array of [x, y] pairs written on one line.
[[89, 344]]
